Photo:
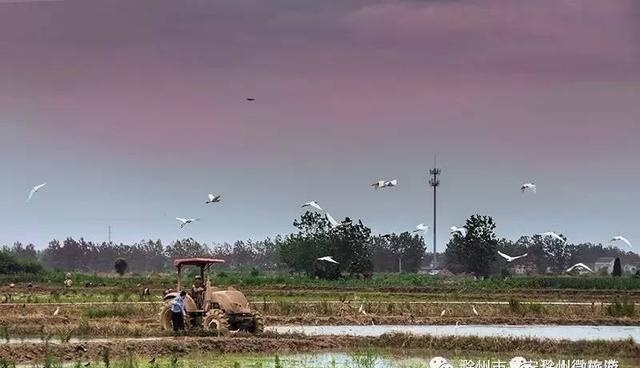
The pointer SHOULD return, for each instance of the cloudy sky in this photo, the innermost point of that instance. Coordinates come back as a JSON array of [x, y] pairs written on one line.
[[133, 111]]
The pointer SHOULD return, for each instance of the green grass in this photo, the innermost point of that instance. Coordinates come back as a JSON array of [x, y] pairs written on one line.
[[381, 280], [621, 308], [114, 311]]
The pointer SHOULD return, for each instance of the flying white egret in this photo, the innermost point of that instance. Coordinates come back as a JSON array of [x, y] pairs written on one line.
[[56, 312], [34, 190], [509, 258], [214, 199], [439, 362], [553, 235], [185, 221], [313, 204], [475, 311], [459, 230], [621, 239], [579, 265], [328, 259], [385, 184], [444, 311], [421, 227], [332, 221], [528, 187]]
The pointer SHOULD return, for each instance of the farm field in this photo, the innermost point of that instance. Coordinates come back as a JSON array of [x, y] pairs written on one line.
[[246, 351], [49, 321]]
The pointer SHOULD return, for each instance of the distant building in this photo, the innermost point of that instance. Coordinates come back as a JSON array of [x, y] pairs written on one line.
[[522, 269], [604, 264], [631, 268]]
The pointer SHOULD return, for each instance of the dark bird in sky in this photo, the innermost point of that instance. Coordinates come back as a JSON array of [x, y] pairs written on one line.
[[250, 99]]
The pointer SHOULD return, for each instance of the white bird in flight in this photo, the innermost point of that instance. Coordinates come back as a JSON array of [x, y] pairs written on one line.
[[332, 221], [528, 187], [421, 227], [313, 204], [475, 311], [621, 239], [444, 311], [385, 184], [459, 230], [579, 265], [509, 258], [553, 235], [214, 199], [34, 190], [328, 259], [185, 221], [56, 312]]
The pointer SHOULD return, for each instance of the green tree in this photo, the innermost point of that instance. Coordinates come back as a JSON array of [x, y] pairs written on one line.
[[559, 254], [476, 250], [617, 268], [121, 266], [349, 244]]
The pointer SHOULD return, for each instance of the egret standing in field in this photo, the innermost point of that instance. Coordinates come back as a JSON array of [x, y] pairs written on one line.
[[361, 310], [214, 199], [56, 312], [185, 221], [528, 187], [475, 311], [509, 258], [621, 239], [313, 204], [34, 190]]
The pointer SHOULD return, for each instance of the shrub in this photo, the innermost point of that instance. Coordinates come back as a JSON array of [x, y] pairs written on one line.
[[516, 306], [536, 308], [621, 308], [121, 266]]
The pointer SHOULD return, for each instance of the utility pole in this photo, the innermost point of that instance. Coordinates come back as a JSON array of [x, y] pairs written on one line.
[[434, 182], [109, 233]]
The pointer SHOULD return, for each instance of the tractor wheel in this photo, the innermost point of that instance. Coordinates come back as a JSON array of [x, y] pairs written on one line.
[[165, 319], [216, 321], [258, 324]]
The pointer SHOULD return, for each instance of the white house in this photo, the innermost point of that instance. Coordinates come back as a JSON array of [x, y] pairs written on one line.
[[604, 264], [631, 268]]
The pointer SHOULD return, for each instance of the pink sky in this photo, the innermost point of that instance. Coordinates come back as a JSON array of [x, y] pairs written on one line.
[[136, 109]]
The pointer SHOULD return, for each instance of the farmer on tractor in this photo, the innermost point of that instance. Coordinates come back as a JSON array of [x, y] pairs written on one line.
[[197, 291], [206, 306]]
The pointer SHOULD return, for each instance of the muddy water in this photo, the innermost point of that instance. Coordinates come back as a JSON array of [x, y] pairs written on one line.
[[573, 333]]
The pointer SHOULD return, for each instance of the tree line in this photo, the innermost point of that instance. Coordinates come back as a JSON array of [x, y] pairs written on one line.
[[475, 251], [351, 244]]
